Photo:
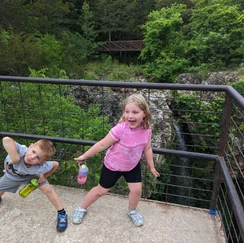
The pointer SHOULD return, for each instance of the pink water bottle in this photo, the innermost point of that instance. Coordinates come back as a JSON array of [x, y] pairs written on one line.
[[83, 171]]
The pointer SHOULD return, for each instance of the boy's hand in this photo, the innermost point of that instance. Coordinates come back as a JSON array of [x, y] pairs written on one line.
[[42, 178]]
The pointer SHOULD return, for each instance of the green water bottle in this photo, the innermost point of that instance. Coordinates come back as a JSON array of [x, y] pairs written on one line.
[[31, 186]]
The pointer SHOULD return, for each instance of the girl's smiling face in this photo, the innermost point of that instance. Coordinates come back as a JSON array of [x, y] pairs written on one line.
[[133, 115]]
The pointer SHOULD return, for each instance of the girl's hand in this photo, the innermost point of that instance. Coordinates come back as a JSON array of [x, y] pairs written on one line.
[[80, 159], [154, 172]]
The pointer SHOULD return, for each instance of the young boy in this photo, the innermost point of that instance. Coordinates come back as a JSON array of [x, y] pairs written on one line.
[[23, 164]]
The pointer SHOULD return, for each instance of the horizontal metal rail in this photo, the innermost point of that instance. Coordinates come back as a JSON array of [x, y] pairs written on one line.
[[194, 87], [177, 153], [129, 84]]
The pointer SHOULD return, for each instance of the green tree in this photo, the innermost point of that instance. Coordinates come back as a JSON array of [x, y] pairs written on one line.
[[216, 35], [31, 17], [87, 23], [164, 46], [50, 51], [75, 50], [137, 12], [46, 109], [167, 3], [205, 117], [19, 52], [109, 15], [117, 19]]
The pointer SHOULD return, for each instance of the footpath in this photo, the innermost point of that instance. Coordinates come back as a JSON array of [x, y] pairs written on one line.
[[33, 219]]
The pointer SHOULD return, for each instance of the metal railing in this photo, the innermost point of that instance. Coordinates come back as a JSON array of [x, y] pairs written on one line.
[[197, 136]]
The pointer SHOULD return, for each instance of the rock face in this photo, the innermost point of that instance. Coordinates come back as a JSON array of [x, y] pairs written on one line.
[[109, 99], [219, 78], [109, 102], [213, 78]]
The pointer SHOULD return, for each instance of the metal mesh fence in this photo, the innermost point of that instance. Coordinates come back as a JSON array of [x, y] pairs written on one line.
[[235, 162], [184, 118]]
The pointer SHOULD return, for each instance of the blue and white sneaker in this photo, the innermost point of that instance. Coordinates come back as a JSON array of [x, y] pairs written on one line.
[[62, 222]]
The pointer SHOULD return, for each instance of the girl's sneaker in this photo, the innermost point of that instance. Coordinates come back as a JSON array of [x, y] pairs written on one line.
[[79, 215], [135, 217]]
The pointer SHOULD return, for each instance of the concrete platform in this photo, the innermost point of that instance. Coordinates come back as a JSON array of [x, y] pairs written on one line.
[[33, 219]]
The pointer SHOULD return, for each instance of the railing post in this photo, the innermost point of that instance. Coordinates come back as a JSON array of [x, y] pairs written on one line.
[[221, 153], [215, 192]]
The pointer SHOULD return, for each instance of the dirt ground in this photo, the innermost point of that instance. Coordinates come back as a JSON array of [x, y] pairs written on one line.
[[33, 219]]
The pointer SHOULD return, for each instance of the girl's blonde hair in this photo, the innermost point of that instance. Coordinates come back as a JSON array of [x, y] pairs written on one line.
[[141, 102]]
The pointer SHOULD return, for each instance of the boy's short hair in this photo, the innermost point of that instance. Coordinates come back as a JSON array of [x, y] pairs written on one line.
[[47, 148]]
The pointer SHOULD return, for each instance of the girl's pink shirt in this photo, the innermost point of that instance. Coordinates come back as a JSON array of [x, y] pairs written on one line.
[[126, 152]]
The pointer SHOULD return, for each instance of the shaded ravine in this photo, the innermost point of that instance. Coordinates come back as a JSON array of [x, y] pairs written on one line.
[[182, 170]]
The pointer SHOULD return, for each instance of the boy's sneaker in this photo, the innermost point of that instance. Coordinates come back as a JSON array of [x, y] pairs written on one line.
[[79, 215], [135, 217], [62, 222]]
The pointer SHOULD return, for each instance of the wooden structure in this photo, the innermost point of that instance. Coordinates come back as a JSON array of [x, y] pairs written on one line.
[[129, 45]]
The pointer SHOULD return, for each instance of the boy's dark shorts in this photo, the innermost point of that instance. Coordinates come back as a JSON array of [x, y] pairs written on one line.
[[109, 178], [9, 185]]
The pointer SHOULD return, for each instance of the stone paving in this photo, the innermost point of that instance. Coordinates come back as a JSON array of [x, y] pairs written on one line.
[[33, 219]]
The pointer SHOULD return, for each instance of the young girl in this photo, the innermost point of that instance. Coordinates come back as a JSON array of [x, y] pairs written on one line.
[[126, 142]]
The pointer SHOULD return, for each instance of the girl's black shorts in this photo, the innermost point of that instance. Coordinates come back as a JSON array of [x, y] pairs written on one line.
[[109, 178]]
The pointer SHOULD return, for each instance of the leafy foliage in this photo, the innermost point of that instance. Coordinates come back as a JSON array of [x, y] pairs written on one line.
[[177, 40], [45, 109], [205, 118], [187, 36], [216, 39], [164, 49], [109, 69], [20, 52], [239, 86]]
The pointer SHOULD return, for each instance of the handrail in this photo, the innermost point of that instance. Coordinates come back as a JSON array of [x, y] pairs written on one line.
[[128, 84], [235, 201], [162, 151], [194, 87]]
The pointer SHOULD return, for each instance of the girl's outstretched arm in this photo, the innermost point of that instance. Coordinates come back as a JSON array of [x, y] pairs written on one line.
[[96, 148], [149, 158]]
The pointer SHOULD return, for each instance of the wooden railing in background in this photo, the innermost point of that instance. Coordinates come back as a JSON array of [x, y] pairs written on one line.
[[129, 45]]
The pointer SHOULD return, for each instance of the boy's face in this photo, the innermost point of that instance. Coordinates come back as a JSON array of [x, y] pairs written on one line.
[[34, 155]]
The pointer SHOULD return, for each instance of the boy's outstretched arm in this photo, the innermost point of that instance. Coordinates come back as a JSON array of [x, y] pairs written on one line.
[[10, 147]]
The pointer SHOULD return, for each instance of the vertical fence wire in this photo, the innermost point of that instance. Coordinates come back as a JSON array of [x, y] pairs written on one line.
[[88, 113]]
